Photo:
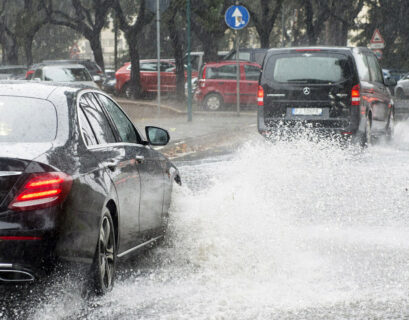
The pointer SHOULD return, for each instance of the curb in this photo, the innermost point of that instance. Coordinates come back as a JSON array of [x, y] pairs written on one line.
[[226, 137], [180, 112]]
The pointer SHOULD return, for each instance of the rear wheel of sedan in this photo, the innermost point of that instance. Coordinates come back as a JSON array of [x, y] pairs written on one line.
[[213, 102], [103, 268]]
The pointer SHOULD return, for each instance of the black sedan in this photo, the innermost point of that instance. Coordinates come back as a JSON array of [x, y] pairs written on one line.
[[78, 182]]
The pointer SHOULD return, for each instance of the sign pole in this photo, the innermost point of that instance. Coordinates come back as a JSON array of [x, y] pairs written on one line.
[[158, 49], [237, 17], [238, 73], [189, 66]]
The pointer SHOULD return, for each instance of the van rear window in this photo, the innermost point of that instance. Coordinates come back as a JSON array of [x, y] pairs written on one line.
[[309, 67]]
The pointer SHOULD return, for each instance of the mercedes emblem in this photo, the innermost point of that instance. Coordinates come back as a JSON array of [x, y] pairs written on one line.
[[306, 91]]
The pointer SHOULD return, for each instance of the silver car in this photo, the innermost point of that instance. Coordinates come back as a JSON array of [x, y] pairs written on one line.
[[402, 87], [64, 73]]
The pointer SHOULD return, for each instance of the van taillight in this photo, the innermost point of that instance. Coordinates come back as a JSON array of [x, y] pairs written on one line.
[[260, 96], [356, 95], [42, 190]]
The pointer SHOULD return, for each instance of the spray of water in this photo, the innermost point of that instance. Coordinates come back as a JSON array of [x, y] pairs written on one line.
[[299, 229]]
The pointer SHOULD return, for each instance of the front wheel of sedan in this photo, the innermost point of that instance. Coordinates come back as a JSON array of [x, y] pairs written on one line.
[[105, 256], [213, 102]]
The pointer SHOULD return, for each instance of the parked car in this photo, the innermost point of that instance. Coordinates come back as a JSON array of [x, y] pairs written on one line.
[[108, 85], [12, 72], [94, 69], [402, 87], [197, 58], [79, 183], [64, 73], [396, 74], [330, 88], [149, 77], [217, 84], [248, 54]]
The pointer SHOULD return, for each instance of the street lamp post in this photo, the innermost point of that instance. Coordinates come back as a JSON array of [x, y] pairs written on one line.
[[189, 66]]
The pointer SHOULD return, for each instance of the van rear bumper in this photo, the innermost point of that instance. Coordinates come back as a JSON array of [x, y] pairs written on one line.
[[348, 125]]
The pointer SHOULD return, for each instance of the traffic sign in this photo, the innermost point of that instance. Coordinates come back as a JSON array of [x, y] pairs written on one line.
[[377, 45], [237, 17], [377, 42]]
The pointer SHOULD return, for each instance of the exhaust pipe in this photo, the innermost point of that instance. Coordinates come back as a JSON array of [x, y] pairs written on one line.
[[15, 276]]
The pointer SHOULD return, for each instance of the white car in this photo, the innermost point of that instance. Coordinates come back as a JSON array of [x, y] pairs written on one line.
[[64, 73]]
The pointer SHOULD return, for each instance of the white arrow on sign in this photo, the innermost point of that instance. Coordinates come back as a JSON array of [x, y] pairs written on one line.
[[239, 18]]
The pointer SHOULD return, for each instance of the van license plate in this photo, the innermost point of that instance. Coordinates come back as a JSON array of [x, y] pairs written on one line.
[[307, 111]]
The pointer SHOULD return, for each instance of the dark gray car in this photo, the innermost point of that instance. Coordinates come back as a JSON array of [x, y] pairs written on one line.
[[331, 89]]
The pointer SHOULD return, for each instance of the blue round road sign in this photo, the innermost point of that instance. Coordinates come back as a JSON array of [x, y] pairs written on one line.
[[237, 17]]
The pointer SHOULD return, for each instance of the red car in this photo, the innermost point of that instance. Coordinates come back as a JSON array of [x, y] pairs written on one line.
[[217, 84], [149, 77]]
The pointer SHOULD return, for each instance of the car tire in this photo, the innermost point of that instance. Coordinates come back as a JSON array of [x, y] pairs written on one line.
[[400, 94], [127, 91], [103, 268], [213, 102], [367, 138], [390, 130]]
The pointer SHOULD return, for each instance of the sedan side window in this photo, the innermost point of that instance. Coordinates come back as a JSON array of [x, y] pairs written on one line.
[[125, 127], [86, 130], [97, 119]]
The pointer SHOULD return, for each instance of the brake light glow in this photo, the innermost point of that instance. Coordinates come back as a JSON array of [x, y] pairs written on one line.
[[260, 96], [356, 95], [42, 190], [19, 238]]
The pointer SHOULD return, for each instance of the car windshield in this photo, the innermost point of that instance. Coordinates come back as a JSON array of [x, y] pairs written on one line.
[[27, 120], [66, 74], [309, 68]]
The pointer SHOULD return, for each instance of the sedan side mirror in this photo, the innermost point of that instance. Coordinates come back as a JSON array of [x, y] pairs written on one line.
[[389, 82], [157, 136]]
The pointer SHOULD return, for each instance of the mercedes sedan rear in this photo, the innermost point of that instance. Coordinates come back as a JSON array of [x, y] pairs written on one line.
[[78, 182]]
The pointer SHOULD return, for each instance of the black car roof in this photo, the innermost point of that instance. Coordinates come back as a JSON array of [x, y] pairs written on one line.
[[39, 90]]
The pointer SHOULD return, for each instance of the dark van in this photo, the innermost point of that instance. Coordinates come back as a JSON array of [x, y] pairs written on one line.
[[336, 89]]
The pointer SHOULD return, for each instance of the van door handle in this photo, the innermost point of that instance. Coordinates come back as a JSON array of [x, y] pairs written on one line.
[[139, 159]]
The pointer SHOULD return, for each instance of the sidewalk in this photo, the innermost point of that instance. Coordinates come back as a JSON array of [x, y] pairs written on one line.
[[207, 129]]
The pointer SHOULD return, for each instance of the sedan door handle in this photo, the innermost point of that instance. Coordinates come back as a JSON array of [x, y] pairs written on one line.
[[140, 159]]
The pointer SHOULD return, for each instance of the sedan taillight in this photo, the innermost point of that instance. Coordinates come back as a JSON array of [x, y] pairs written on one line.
[[42, 190]]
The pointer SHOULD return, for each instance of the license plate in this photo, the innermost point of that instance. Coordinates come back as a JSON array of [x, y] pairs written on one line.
[[307, 111]]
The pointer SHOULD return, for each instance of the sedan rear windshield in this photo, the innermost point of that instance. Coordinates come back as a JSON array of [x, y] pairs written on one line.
[[308, 67], [27, 120], [64, 74]]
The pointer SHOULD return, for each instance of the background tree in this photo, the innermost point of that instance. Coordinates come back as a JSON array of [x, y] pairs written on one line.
[[87, 17], [132, 22], [264, 14], [209, 25], [19, 22]]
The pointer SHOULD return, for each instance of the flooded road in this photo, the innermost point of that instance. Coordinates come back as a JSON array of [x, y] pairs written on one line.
[[291, 230]]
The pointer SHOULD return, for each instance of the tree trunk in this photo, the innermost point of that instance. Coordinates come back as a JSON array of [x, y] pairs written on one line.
[[135, 81], [210, 51], [178, 55], [28, 44], [264, 38], [12, 50], [95, 43]]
